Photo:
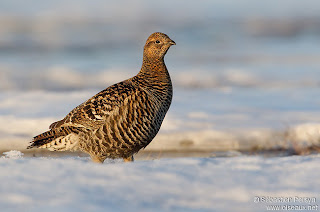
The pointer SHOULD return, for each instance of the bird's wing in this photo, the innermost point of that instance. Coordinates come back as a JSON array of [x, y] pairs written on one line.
[[94, 112]]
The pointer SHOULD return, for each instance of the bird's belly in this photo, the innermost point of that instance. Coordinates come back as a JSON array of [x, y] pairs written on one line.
[[122, 138]]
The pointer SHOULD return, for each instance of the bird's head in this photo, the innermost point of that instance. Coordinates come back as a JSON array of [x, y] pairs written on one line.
[[157, 45]]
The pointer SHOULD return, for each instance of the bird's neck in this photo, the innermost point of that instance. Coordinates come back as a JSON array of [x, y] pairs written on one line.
[[154, 70], [154, 78]]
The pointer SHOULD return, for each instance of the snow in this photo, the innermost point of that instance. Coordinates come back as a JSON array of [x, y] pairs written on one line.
[[184, 184], [13, 154]]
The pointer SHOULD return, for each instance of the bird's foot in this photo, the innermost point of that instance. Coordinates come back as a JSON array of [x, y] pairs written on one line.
[[128, 159]]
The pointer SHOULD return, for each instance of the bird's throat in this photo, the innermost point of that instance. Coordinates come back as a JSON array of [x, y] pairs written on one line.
[[154, 68]]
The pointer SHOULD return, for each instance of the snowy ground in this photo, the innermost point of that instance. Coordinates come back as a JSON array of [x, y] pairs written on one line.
[[184, 184]]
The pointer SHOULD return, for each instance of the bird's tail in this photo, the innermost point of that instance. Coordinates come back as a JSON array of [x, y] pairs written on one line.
[[58, 139]]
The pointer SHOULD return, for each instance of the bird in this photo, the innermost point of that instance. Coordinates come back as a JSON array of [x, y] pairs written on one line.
[[121, 119]]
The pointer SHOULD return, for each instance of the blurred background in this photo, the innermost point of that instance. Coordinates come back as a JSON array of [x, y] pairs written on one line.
[[246, 73]]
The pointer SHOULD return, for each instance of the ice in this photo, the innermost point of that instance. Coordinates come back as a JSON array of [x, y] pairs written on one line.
[[185, 184]]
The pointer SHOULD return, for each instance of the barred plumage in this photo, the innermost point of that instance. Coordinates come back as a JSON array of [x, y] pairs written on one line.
[[120, 120]]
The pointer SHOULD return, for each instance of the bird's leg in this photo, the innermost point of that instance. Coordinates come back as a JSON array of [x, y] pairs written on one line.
[[97, 159], [128, 159]]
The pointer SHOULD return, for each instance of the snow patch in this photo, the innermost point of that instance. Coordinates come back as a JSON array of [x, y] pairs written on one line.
[[13, 154], [308, 133]]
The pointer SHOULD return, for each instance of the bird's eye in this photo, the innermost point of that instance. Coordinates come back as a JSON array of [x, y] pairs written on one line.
[[157, 41]]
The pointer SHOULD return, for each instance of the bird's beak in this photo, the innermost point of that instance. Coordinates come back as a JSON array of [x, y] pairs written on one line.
[[172, 43]]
